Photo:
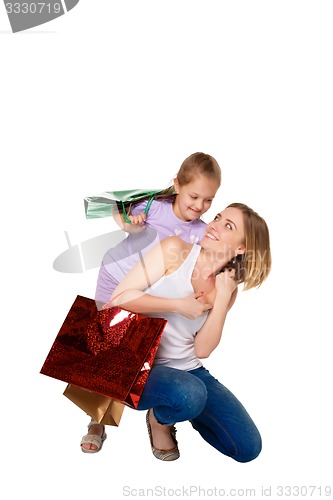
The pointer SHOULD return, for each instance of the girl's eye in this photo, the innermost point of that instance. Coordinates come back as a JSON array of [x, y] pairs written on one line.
[[193, 197], [216, 217], [228, 226]]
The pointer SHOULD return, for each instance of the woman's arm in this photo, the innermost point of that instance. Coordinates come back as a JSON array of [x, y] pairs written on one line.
[[162, 259], [209, 336]]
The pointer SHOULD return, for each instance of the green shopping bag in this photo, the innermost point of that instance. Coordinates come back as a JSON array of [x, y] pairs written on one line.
[[101, 206]]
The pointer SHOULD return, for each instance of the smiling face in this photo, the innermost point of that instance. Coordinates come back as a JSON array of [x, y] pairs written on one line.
[[225, 235], [194, 198]]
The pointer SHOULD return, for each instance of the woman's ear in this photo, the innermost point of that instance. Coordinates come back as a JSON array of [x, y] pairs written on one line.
[[176, 185], [241, 250]]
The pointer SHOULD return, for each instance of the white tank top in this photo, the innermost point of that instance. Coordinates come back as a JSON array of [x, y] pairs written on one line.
[[176, 348]]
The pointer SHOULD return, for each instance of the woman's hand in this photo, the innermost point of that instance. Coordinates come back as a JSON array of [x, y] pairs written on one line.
[[225, 282], [192, 306]]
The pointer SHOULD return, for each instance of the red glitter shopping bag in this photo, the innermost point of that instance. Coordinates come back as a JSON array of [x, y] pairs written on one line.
[[109, 352]]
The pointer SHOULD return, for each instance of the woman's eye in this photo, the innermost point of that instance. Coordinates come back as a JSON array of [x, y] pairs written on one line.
[[193, 197], [216, 217]]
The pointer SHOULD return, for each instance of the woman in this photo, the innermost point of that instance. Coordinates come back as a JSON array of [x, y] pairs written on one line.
[[184, 284]]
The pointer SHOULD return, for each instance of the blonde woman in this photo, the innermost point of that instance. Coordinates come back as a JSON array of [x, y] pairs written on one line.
[[194, 287]]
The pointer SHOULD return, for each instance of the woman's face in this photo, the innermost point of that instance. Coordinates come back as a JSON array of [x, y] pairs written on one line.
[[225, 235]]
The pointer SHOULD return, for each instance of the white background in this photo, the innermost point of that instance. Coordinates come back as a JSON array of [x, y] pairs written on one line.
[[114, 95]]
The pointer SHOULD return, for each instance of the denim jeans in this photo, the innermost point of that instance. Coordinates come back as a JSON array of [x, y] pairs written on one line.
[[213, 411]]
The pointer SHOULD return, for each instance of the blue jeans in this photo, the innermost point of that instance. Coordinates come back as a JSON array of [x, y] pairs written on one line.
[[177, 395]]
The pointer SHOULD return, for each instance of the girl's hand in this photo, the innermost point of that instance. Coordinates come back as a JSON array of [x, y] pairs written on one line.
[[136, 224], [191, 307], [137, 220]]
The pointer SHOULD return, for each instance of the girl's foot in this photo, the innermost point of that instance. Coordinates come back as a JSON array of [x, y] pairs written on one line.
[[93, 441]]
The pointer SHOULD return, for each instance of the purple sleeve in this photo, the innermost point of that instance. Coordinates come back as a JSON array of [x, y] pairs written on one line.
[[140, 207]]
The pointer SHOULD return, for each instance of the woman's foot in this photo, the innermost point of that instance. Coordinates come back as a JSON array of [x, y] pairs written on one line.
[[93, 441], [162, 439], [161, 434]]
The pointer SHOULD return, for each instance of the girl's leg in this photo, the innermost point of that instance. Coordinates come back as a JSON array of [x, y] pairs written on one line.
[[174, 395], [224, 423], [106, 284]]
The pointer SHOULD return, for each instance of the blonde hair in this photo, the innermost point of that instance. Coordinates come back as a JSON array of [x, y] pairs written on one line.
[[196, 163], [256, 263], [199, 163]]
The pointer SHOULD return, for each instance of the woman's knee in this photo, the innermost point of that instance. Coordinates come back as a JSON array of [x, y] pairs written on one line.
[[178, 389], [192, 394], [249, 449]]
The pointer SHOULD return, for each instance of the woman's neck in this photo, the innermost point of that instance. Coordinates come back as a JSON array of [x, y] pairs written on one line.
[[208, 265]]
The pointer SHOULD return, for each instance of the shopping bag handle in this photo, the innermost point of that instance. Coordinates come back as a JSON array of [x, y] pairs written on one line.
[[150, 201]]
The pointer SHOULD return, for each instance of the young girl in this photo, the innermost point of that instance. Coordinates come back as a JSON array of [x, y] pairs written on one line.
[[177, 212], [193, 287]]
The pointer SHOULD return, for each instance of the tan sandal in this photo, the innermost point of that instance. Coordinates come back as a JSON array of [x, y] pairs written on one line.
[[94, 439]]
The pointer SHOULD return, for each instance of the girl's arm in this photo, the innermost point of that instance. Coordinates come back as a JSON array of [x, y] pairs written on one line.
[[209, 336], [136, 221], [163, 258]]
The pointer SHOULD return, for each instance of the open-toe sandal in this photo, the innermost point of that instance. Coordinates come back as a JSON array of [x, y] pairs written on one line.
[[94, 439]]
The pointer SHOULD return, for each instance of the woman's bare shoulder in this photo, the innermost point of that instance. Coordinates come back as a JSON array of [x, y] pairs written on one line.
[[175, 251], [174, 242]]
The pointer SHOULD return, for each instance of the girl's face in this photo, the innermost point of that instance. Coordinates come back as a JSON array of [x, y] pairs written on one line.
[[225, 235], [195, 198]]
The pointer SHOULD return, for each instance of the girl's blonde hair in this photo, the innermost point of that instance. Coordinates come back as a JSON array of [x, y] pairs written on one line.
[[199, 163], [196, 163], [254, 266]]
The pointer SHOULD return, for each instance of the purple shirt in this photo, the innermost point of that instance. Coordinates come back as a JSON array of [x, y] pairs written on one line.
[[162, 218]]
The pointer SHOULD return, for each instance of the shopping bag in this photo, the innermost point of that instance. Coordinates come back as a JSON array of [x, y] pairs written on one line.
[[110, 351], [102, 205], [104, 410]]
